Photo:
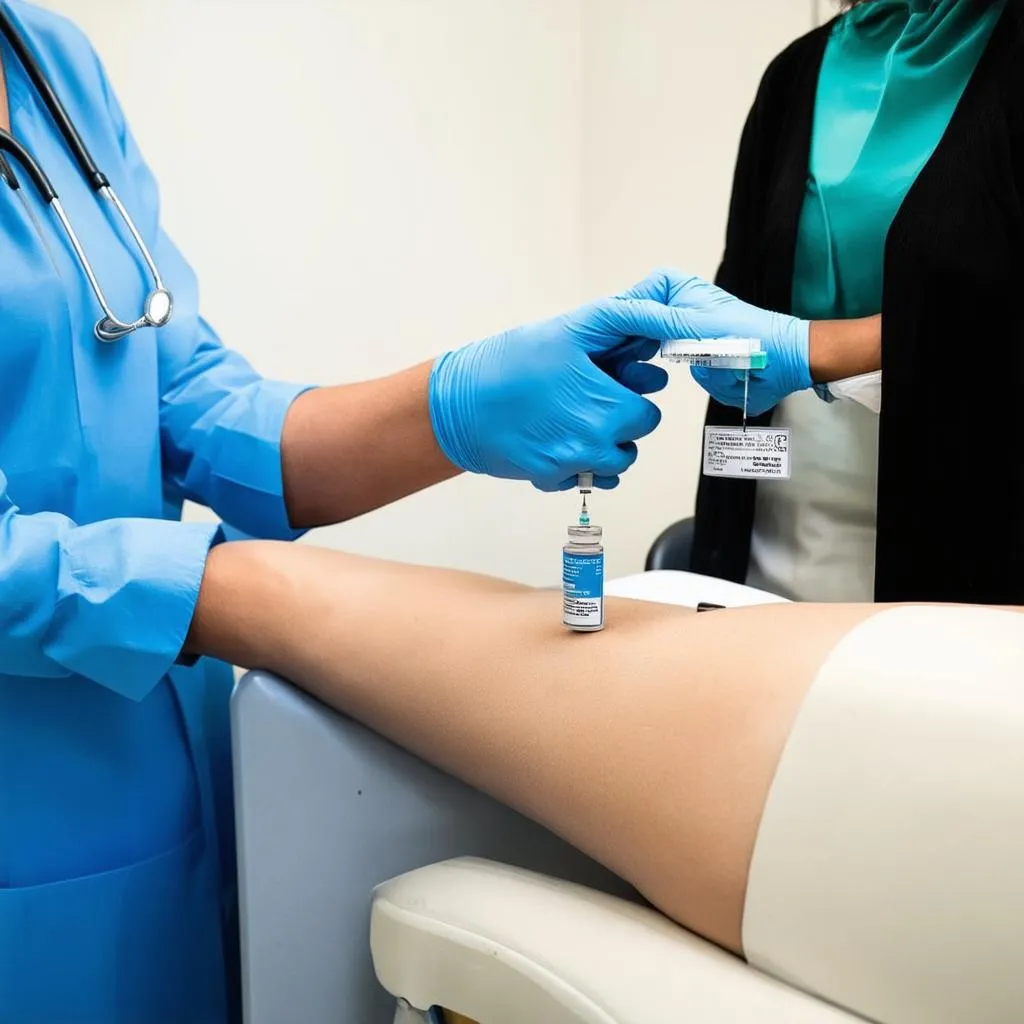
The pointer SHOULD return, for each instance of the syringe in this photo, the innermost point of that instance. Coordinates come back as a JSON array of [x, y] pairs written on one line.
[[717, 353], [744, 354]]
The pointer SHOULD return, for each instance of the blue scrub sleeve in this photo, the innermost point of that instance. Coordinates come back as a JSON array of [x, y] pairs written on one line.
[[221, 423], [111, 601]]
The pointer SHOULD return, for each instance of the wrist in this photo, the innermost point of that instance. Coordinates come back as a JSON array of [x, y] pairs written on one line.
[[246, 602], [845, 348], [792, 336], [451, 416], [825, 357]]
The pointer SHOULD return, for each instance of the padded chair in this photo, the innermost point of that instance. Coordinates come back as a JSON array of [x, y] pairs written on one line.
[[673, 548], [502, 945]]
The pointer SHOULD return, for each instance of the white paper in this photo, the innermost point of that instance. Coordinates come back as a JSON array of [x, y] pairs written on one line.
[[865, 390], [757, 453]]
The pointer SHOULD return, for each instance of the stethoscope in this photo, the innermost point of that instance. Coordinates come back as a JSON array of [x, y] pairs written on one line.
[[159, 303]]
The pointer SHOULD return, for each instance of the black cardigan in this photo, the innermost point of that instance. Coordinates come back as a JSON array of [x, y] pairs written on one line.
[[951, 449]]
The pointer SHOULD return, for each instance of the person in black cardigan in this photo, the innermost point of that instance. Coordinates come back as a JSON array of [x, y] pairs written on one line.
[[947, 332]]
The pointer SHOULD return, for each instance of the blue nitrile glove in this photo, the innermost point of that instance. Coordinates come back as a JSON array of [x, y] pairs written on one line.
[[550, 400], [707, 312]]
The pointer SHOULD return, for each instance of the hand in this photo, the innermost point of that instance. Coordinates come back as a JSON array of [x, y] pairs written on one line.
[[707, 312], [550, 400]]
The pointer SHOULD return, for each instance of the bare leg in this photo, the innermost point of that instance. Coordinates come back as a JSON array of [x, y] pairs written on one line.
[[651, 746]]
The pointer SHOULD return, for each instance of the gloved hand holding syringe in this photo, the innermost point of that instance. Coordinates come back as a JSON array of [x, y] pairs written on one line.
[[760, 452], [737, 354]]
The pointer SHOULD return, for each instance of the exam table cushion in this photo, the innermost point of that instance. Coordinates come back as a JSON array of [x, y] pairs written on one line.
[[688, 589], [503, 945]]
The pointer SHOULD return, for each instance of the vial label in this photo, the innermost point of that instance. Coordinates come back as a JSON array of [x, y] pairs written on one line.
[[583, 590]]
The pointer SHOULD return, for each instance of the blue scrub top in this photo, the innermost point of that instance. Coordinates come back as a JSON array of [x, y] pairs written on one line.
[[115, 841]]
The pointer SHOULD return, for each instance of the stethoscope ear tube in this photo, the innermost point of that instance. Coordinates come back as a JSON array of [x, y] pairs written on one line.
[[9, 144], [7, 175], [96, 178]]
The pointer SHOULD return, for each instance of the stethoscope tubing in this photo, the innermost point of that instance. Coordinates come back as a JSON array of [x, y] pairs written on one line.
[[159, 303]]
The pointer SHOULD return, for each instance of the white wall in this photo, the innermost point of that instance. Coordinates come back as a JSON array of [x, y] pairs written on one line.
[[362, 183], [668, 87]]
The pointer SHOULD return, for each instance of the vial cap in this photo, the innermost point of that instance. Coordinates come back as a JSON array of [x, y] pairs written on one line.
[[586, 534]]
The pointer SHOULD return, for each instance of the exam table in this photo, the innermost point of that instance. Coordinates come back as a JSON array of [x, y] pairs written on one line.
[[463, 881]]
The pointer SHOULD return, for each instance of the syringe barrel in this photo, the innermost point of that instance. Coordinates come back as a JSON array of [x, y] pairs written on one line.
[[717, 353]]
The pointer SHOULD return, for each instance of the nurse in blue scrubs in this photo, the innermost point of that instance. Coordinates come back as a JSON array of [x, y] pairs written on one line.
[[116, 859]]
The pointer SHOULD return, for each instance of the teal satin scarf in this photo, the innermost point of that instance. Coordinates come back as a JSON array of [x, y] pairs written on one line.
[[892, 76]]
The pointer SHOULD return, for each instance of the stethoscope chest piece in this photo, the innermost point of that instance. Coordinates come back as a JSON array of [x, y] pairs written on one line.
[[159, 306], [157, 312]]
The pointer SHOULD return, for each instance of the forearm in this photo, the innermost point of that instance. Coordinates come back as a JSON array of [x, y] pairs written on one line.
[[393, 645], [349, 449], [845, 348], [289, 608]]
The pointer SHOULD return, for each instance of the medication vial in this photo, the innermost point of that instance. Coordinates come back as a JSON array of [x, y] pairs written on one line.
[[583, 580]]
